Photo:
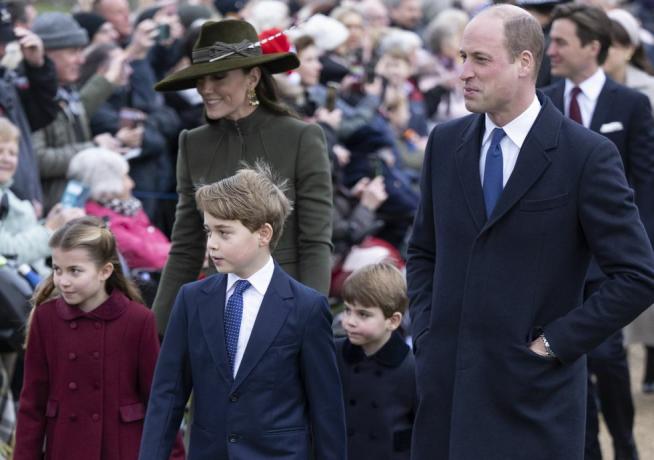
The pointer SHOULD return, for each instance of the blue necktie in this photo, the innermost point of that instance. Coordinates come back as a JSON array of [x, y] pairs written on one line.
[[233, 315], [493, 171]]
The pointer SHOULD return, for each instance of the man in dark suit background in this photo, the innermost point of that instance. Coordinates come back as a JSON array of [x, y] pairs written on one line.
[[514, 201], [580, 39]]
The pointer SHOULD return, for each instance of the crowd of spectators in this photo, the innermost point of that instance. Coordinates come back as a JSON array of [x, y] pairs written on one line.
[[375, 75]]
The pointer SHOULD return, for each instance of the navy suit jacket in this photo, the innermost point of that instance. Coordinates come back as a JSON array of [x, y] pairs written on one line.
[[635, 140], [286, 400], [483, 287]]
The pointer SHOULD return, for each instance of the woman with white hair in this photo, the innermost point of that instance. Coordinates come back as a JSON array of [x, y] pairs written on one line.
[[106, 174]]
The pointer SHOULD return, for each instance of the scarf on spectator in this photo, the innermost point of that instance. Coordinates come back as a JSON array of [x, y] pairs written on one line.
[[128, 207]]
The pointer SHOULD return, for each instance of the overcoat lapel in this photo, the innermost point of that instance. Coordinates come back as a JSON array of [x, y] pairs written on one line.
[[212, 322], [532, 161], [605, 102], [467, 162], [274, 309]]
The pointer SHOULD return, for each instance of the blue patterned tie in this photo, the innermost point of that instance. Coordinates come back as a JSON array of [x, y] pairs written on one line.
[[233, 314], [493, 171]]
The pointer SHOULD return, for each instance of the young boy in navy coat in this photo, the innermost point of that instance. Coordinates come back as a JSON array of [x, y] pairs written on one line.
[[254, 345], [376, 365]]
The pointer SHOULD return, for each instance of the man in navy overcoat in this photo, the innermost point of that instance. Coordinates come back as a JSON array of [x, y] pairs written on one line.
[[499, 254], [581, 35]]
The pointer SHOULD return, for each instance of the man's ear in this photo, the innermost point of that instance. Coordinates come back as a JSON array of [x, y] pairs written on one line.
[[527, 63], [265, 234]]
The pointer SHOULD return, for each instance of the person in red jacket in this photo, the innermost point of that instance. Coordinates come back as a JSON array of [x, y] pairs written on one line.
[[106, 173], [90, 356]]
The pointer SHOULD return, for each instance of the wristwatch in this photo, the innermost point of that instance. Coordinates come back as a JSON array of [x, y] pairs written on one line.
[[548, 349]]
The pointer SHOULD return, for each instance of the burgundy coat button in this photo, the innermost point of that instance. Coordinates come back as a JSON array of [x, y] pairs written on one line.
[[73, 325], [72, 356], [95, 417], [96, 354], [97, 325], [72, 417], [72, 386]]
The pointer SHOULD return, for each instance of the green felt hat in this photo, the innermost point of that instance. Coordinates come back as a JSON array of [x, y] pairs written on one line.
[[223, 46]]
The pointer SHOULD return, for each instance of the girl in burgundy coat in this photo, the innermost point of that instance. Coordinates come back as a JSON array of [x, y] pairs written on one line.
[[90, 356]]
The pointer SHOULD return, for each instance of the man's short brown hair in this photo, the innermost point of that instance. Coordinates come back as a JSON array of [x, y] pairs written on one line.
[[592, 24], [377, 285], [252, 196], [522, 32]]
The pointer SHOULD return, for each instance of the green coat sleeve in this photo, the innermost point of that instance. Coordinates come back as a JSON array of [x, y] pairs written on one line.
[[313, 205], [188, 242]]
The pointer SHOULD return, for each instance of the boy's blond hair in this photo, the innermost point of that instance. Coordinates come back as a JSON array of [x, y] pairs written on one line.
[[253, 196], [379, 285], [8, 131]]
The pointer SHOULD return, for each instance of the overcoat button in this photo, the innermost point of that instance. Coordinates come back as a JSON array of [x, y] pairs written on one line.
[[73, 325], [95, 417], [72, 356], [72, 386]]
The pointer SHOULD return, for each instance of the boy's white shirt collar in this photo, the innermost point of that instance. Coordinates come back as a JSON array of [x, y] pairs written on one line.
[[260, 280]]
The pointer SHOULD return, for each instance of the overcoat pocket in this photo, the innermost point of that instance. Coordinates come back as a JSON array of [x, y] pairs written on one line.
[[546, 203]]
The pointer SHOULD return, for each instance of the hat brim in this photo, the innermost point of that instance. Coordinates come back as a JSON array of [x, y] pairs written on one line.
[[187, 78]]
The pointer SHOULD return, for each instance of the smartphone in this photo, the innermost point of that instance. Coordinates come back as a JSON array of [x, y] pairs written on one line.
[[330, 101], [163, 32], [75, 194]]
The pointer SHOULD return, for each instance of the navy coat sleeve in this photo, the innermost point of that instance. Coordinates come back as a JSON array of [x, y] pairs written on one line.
[[640, 171], [322, 385], [422, 251], [620, 245], [171, 387]]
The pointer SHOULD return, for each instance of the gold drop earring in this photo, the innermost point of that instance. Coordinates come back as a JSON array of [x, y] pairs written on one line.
[[252, 98]]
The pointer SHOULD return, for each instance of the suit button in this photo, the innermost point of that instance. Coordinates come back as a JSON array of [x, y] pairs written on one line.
[[353, 402], [72, 417], [73, 325], [95, 417], [72, 386], [96, 355], [233, 438], [96, 386], [350, 432], [374, 405], [97, 325], [233, 397], [356, 369], [72, 356]]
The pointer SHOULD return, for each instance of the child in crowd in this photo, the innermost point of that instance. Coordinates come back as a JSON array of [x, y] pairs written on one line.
[[90, 356], [376, 365], [254, 345], [22, 236]]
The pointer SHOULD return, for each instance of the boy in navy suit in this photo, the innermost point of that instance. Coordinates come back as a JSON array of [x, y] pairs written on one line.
[[254, 345]]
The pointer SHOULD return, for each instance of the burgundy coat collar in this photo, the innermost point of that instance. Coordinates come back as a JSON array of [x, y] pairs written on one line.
[[390, 355], [110, 309]]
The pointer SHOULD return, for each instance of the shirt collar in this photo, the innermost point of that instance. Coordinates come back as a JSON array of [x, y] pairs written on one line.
[[590, 87], [259, 280], [518, 128]]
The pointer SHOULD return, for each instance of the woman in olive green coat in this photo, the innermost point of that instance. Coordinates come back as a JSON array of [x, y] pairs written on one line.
[[246, 123]]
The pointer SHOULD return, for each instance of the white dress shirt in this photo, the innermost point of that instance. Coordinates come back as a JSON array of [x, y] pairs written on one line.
[[587, 99], [252, 299], [516, 132]]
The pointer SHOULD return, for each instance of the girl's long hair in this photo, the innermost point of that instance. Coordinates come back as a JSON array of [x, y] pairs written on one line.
[[91, 234]]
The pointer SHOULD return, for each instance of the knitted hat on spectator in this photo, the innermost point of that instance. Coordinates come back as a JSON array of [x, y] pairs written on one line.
[[59, 30], [91, 22], [223, 46], [6, 25], [189, 14]]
